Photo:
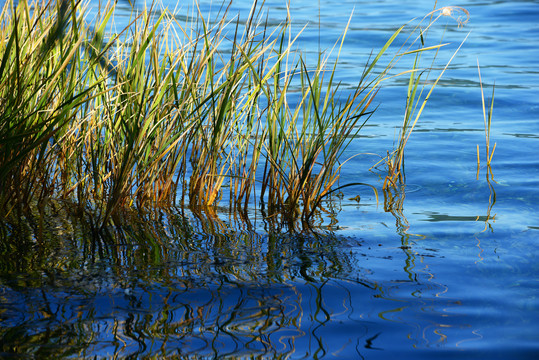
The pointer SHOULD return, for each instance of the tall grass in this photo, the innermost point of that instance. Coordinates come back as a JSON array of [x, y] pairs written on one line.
[[420, 86], [164, 113], [487, 117]]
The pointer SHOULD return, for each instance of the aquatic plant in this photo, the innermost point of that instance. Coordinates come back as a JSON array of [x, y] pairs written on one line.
[[420, 87], [164, 113], [487, 118]]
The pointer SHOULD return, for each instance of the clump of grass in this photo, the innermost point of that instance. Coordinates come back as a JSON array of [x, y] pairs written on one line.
[[487, 117], [41, 94], [164, 113]]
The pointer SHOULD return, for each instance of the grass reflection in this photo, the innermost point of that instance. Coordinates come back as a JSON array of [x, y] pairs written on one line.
[[184, 283], [164, 283], [419, 301]]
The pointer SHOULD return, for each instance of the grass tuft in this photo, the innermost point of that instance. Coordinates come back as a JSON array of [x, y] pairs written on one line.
[[487, 117]]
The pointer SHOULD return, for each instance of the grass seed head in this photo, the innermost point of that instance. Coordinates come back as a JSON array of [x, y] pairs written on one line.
[[460, 14]]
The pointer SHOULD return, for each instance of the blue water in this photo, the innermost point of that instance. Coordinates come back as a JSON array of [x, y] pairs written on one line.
[[451, 273]]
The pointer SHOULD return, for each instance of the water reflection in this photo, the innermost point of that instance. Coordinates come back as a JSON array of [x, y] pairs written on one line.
[[491, 199], [166, 284], [189, 283], [422, 303]]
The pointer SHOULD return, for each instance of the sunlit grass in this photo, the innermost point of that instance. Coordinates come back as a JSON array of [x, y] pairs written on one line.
[[420, 86], [487, 117], [164, 113]]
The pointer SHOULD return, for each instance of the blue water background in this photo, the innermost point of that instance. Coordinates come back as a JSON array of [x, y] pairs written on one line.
[[454, 274]]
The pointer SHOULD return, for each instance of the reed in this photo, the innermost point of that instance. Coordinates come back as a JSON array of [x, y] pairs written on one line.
[[487, 118], [165, 113], [420, 86]]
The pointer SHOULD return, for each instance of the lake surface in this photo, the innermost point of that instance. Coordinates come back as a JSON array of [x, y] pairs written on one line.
[[446, 268]]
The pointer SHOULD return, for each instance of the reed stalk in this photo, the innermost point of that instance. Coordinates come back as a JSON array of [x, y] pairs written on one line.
[[487, 118]]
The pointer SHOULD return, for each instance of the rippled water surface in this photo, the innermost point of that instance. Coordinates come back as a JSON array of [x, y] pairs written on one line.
[[446, 268]]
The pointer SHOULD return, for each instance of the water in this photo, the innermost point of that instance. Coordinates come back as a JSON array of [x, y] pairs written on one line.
[[451, 274]]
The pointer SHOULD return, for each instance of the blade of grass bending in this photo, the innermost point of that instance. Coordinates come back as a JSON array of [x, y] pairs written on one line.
[[423, 49], [384, 48]]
